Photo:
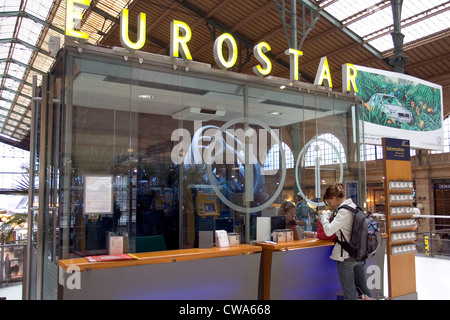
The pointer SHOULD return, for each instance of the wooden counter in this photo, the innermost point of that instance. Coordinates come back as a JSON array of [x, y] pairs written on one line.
[[268, 260], [231, 273], [302, 269], [161, 257], [297, 244]]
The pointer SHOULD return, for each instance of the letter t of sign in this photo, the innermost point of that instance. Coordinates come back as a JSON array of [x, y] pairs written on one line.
[[295, 54]]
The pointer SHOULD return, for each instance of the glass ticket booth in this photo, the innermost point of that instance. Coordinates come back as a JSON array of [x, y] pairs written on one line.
[[151, 148]]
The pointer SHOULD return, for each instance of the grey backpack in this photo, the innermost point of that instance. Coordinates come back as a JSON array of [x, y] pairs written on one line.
[[365, 238]]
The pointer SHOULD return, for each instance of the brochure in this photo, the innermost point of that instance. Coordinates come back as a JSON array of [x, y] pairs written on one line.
[[125, 256]]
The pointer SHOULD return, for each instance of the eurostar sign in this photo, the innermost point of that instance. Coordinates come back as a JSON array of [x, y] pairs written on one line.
[[181, 34]]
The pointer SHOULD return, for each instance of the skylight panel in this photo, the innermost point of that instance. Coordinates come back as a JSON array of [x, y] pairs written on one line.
[[372, 23], [9, 5], [343, 9], [426, 27], [16, 71], [4, 50], [414, 7], [8, 95], [22, 53], [7, 26], [382, 44], [4, 105], [30, 31], [11, 84], [39, 8]]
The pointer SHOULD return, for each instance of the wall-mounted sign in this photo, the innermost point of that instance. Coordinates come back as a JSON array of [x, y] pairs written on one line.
[[397, 149]]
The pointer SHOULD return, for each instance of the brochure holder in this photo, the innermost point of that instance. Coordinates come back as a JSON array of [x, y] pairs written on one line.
[[400, 225]]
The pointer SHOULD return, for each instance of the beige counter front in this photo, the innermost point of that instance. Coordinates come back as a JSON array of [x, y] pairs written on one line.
[[188, 274]]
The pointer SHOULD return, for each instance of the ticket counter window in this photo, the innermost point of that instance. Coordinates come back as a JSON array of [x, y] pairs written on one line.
[[182, 151]]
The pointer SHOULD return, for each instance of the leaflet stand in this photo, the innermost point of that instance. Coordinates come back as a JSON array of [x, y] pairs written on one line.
[[400, 249]]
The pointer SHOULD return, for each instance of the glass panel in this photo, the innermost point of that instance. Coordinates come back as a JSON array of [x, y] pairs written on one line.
[[183, 151], [96, 147]]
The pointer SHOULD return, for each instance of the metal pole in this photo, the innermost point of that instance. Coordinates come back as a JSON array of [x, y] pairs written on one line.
[[399, 60], [248, 169], [294, 24], [26, 284], [43, 203]]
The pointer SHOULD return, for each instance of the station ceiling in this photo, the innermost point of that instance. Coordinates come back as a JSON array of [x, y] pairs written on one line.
[[346, 31]]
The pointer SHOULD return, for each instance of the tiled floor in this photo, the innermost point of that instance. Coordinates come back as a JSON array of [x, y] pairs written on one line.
[[432, 281]]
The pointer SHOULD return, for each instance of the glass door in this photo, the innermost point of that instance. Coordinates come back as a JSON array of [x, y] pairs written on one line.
[[41, 275]]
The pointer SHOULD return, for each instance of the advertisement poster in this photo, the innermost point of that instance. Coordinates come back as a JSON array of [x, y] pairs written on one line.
[[401, 107]]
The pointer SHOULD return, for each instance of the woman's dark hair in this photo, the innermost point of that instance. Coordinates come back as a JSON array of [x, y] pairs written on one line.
[[335, 190]]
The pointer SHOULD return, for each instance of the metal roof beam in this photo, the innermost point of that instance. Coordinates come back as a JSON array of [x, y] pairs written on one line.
[[21, 81], [16, 93], [26, 44], [26, 66], [133, 29], [31, 17], [16, 103], [344, 29], [241, 38]]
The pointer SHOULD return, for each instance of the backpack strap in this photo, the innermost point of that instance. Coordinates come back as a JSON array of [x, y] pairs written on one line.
[[346, 206], [343, 243]]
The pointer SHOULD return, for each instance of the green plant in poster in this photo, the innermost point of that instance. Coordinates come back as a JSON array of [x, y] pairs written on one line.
[[399, 103]]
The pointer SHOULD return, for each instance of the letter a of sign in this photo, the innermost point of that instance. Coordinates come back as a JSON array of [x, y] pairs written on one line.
[[141, 29], [323, 74], [73, 18]]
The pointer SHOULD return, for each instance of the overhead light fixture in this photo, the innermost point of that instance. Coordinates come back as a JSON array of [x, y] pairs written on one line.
[[275, 113], [146, 97], [197, 114]]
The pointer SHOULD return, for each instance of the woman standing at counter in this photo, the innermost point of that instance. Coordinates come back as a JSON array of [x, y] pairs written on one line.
[[351, 272]]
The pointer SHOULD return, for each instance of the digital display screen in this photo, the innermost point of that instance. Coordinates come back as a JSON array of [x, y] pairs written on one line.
[[209, 207], [277, 222]]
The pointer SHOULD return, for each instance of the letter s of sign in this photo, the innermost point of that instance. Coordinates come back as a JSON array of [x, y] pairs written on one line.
[[259, 51]]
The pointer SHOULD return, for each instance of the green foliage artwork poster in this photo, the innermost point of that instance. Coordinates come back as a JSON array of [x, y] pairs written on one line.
[[397, 101]]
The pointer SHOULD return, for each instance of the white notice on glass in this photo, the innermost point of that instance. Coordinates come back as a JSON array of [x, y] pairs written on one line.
[[98, 195]]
